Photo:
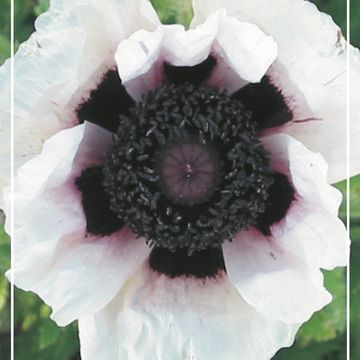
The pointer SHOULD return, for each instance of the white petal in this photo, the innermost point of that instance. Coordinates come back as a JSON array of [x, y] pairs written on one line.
[[76, 274], [314, 234], [155, 317], [248, 50], [312, 225], [242, 50], [243, 53], [137, 62], [62, 61], [311, 71], [279, 275], [276, 283]]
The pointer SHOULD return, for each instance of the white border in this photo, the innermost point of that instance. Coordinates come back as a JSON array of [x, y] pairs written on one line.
[[12, 142], [348, 35]]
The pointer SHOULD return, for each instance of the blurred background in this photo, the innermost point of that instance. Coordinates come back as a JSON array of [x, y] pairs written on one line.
[[39, 338]]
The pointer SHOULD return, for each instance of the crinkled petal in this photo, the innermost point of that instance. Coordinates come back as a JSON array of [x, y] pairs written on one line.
[[75, 273], [310, 70], [156, 317], [276, 283], [72, 48], [137, 61], [245, 49], [280, 274], [312, 226], [242, 50]]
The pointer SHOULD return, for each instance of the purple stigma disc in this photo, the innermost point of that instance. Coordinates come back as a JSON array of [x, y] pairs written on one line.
[[188, 172]]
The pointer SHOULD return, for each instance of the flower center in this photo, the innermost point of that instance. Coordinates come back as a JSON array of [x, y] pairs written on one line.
[[187, 170]]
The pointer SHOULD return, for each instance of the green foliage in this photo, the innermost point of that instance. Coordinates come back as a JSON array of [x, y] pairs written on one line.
[[4, 292], [41, 7], [355, 278], [354, 201], [328, 350], [174, 11], [24, 20], [4, 30], [38, 337], [328, 323], [355, 23], [24, 15], [4, 48], [323, 337], [337, 9]]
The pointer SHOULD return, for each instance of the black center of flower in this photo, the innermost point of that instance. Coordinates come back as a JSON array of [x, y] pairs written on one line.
[[187, 170]]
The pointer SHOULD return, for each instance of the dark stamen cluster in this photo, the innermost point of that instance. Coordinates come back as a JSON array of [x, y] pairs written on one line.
[[163, 120]]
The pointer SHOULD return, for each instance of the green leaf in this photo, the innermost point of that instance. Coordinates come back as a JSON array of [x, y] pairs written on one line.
[[4, 284], [355, 197], [41, 7], [355, 288], [35, 332], [49, 334], [29, 322], [45, 311], [4, 48], [329, 350], [4, 250], [337, 9], [66, 348], [174, 11], [355, 23], [5, 320], [330, 321], [4, 291]]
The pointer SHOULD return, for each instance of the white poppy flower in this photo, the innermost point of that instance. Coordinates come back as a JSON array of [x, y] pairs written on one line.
[[172, 190]]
